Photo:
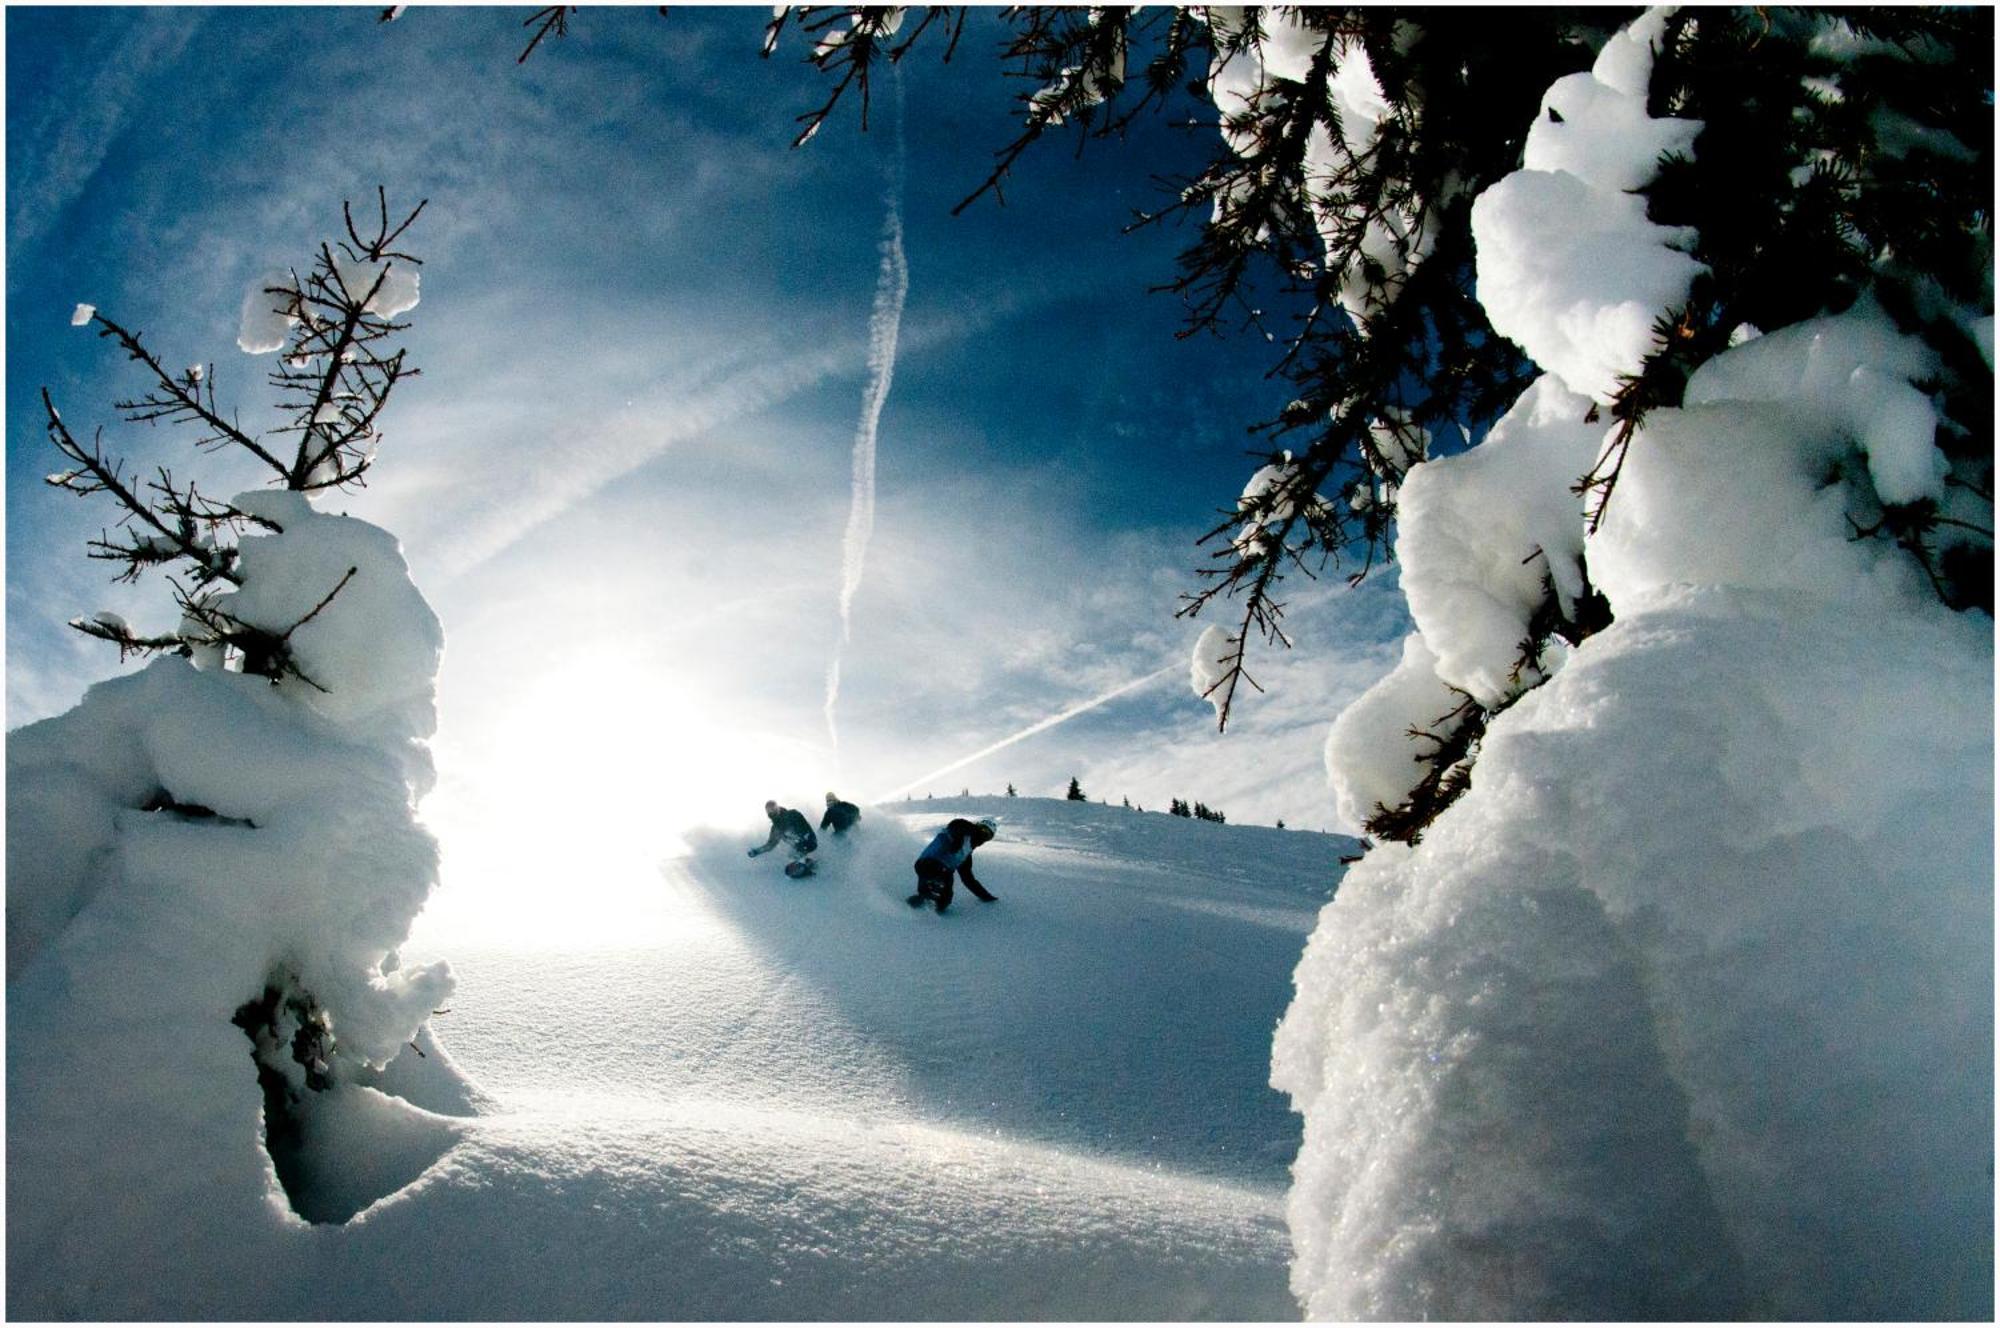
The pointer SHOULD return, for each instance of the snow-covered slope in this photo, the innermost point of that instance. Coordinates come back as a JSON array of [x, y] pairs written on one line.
[[1116, 999], [809, 1102]]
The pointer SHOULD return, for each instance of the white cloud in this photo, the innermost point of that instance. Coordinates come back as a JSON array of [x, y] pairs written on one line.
[[60, 151]]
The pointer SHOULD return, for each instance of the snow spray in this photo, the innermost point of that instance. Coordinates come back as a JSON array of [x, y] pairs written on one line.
[[885, 322]]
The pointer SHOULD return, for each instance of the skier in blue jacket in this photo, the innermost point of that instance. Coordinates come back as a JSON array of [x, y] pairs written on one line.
[[951, 852]]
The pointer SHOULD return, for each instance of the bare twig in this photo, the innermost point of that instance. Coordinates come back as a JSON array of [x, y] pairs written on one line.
[[554, 19]]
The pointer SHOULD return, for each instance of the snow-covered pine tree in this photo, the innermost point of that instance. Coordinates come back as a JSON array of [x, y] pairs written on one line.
[[224, 843], [1075, 793]]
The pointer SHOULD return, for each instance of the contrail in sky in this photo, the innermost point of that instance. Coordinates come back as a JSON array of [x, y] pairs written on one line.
[[885, 322], [1041, 726]]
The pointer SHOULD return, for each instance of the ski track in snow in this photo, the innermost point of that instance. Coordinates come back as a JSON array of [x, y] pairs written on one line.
[[885, 322]]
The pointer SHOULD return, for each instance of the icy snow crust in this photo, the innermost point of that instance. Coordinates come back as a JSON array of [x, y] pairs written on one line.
[[818, 1103]]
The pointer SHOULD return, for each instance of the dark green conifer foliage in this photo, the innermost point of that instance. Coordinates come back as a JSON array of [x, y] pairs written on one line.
[[1828, 172]]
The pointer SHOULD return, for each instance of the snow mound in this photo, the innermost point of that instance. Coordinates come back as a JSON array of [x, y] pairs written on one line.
[[1685, 1008], [210, 876], [1707, 1033]]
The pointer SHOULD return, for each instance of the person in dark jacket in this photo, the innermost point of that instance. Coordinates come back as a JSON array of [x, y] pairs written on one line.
[[790, 828], [840, 816], [951, 852]]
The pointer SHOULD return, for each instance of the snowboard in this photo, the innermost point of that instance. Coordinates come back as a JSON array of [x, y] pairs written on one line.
[[927, 894], [801, 868]]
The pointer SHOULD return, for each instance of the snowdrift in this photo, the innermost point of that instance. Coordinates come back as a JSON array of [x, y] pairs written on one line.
[[1705, 1034]]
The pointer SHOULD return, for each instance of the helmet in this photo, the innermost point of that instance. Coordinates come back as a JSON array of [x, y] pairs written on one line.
[[832, 798], [770, 806]]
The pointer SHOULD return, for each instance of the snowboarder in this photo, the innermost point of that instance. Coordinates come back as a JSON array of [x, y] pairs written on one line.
[[840, 816], [951, 851], [795, 833]]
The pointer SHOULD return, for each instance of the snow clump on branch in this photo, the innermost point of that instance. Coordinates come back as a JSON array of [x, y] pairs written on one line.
[[1215, 654], [1569, 266], [1253, 70], [1482, 531]]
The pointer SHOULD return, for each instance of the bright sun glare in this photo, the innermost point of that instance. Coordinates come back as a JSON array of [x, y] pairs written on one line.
[[553, 823]]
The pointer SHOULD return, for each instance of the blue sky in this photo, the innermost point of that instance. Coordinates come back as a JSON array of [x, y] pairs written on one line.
[[624, 473]]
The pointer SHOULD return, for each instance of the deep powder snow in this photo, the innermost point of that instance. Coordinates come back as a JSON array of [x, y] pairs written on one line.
[[811, 1101]]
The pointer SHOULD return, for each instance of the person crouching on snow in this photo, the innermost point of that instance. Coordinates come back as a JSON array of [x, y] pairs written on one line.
[[790, 828], [840, 816], [951, 852]]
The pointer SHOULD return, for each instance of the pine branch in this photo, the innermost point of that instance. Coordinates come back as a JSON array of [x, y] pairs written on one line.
[[95, 473], [177, 400], [851, 50], [334, 380]]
